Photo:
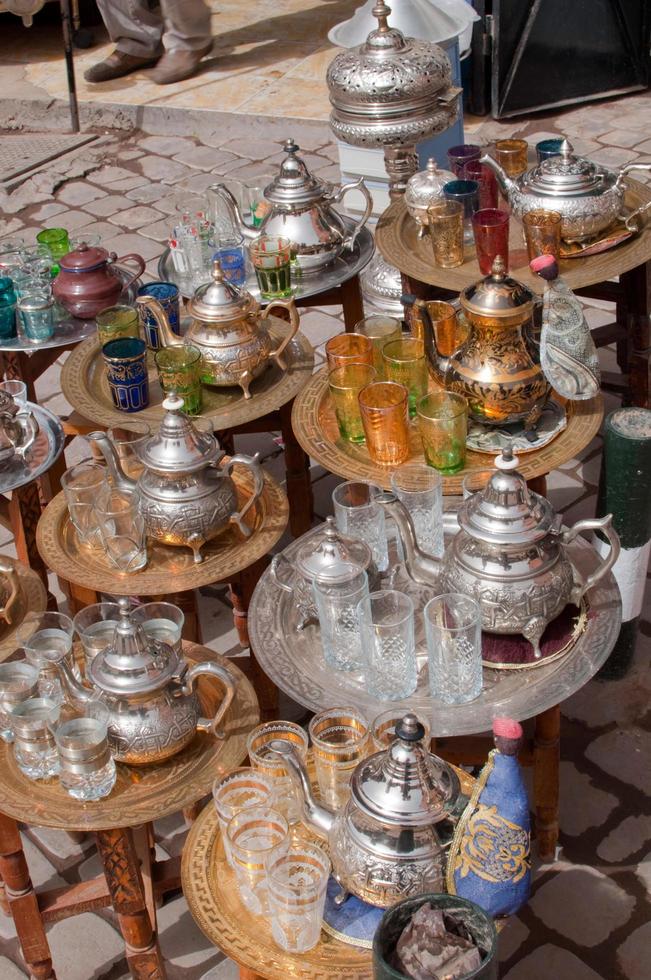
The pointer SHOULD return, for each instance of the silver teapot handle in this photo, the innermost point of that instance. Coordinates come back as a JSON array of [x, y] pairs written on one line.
[[294, 323], [604, 524], [276, 562], [29, 425], [339, 194], [252, 463], [222, 674]]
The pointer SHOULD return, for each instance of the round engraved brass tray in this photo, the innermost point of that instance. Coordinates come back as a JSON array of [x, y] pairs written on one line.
[[211, 892], [84, 384], [294, 659], [142, 793], [32, 597], [396, 236], [169, 568], [315, 427]]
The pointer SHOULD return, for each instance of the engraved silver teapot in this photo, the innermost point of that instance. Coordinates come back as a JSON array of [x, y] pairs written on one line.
[[302, 210], [423, 189], [588, 196], [384, 842], [18, 429], [149, 690], [509, 555], [187, 496]]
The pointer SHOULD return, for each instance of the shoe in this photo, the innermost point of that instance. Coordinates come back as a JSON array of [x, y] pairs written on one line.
[[117, 65], [176, 65]]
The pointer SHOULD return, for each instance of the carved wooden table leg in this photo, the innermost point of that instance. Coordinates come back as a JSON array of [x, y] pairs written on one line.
[[546, 778], [352, 302], [297, 474], [121, 867], [23, 902]]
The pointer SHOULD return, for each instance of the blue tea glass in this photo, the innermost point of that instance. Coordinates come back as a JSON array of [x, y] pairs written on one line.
[[466, 192], [548, 148], [167, 294], [126, 370], [233, 262], [7, 309]]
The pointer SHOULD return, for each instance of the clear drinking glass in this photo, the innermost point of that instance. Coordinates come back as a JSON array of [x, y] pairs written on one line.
[[348, 348], [380, 330], [445, 226], [95, 626], [123, 529], [17, 390], [358, 515], [296, 892], [18, 682], [36, 314], [386, 621], [256, 836], [337, 597], [453, 631], [405, 363], [339, 739], [345, 384], [34, 746], [271, 258], [383, 729], [87, 770], [126, 439], [240, 789], [161, 621], [443, 426], [419, 488], [384, 407], [269, 762], [82, 485], [46, 639], [475, 480]]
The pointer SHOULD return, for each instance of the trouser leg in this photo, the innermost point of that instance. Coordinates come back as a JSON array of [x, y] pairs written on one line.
[[133, 27], [187, 24]]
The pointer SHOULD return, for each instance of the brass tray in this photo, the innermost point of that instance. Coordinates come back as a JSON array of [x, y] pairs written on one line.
[[396, 236], [315, 427], [84, 384], [169, 568], [32, 597], [142, 793]]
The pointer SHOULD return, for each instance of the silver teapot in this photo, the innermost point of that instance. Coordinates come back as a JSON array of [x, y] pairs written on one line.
[[150, 693], [384, 842], [422, 191], [588, 196], [18, 429], [509, 555], [187, 496], [302, 210], [319, 554]]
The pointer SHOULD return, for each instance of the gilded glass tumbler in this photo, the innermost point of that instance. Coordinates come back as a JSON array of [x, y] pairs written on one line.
[[383, 406], [380, 330], [345, 385], [349, 348], [445, 225], [179, 370], [405, 363], [443, 425], [542, 232], [117, 321], [512, 156]]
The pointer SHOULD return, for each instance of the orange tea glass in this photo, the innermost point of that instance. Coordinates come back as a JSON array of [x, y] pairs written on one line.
[[512, 155], [383, 405], [348, 348], [542, 232]]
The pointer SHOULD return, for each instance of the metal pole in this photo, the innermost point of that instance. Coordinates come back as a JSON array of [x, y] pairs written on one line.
[[66, 25]]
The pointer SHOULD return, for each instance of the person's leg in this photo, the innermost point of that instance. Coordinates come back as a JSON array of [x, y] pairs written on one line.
[[137, 33], [187, 38]]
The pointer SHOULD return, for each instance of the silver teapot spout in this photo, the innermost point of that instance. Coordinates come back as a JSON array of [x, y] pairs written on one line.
[[507, 185], [74, 688], [107, 449], [235, 214], [424, 569], [319, 818]]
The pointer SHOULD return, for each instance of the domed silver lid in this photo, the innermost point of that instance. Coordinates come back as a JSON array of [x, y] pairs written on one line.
[[178, 447], [333, 549], [220, 301], [294, 183], [565, 174]]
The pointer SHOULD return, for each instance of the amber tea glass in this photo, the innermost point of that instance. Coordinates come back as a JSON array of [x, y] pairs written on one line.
[[445, 225], [383, 406], [380, 330], [345, 385], [349, 348], [444, 321], [115, 322], [491, 228], [542, 233], [405, 363], [512, 156], [443, 425]]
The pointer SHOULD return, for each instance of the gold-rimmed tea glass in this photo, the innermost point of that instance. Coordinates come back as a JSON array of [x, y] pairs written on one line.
[[179, 371], [380, 330], [345, 384], [542, 232], [445, 227], [116, 322], [271, 258], [263, 757], [406, 364], [339, 739], [348, 348], [238, 790], [512, 156], [255, 837], [384, 408], [443, 426]]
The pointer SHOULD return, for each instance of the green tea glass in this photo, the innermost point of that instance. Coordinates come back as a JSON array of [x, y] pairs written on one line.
[[115, 322], [345, 385], [380, 330], [443, 426], [405, 363], [271, 257], [179, 370], [56, 241]]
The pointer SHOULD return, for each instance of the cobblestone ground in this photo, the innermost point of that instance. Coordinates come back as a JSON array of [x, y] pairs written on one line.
[[589, 914]]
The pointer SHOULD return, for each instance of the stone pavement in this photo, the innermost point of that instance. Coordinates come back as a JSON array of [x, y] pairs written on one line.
[[589, 914]]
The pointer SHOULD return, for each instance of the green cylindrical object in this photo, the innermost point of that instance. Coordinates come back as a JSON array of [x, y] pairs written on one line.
[[625, 492]]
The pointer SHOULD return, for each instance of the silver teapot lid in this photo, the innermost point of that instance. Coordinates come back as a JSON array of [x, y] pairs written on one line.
[[133, 663], [426, 185], [333, 549], [220, 300], [294, 183], [178, 447], [565, 174], [405, 785], [507, 512]]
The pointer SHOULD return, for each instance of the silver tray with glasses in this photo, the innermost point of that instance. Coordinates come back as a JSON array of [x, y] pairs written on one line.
[[71, 330], [294, 659], [45, 449], [341, 270]]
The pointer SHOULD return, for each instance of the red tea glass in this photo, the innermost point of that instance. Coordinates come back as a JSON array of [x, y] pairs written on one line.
[[459, 156], [491, 228], [486, 180]]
